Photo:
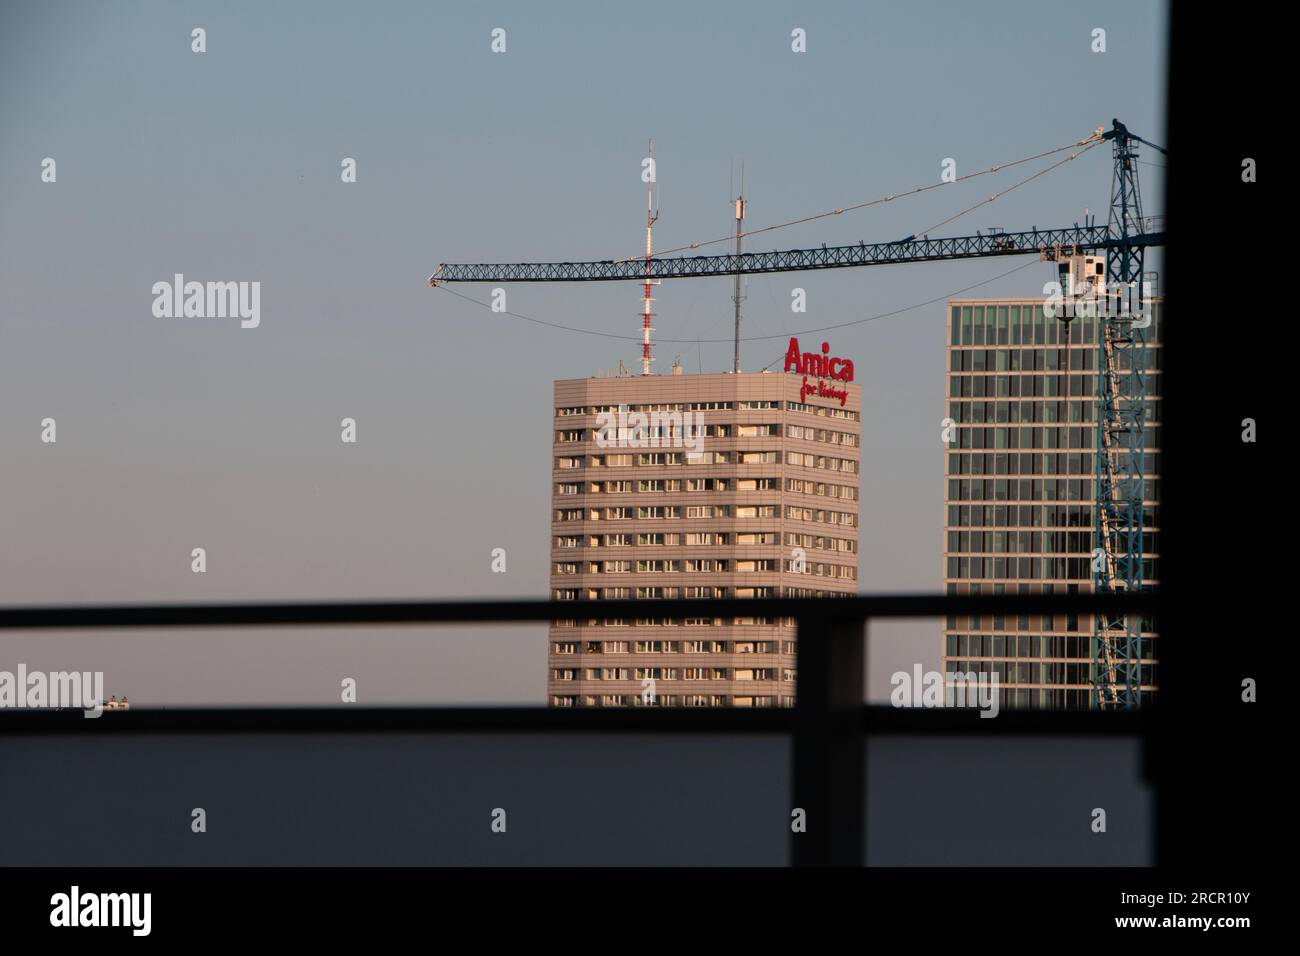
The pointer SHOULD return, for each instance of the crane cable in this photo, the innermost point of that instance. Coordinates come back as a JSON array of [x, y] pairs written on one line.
[[749, 338], [998, 195], [1088, 143]]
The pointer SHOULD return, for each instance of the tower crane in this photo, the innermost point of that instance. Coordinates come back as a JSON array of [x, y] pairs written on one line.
[[1121, 393]]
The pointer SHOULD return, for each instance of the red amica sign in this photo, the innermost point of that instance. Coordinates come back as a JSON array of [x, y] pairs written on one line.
[[821, 366]]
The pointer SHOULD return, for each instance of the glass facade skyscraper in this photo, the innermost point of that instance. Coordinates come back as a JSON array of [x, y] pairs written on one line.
[[1021, 435]]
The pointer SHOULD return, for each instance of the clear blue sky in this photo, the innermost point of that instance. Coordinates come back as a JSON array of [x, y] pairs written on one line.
[[175, 434]]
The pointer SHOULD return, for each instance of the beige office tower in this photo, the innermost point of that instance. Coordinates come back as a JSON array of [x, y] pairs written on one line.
[[1020, 493], [698, 486]]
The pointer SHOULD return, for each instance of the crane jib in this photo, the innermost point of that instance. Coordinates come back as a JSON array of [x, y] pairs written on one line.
[[1049, 243]]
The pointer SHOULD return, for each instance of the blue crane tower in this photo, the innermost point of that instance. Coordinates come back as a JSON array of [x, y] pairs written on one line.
[[1122, 411]]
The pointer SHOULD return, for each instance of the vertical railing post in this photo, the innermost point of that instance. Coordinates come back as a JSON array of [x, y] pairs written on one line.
[[829, 743]]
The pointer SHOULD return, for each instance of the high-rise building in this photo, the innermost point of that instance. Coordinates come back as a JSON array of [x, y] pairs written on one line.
[[1020, 492], [690, 486]]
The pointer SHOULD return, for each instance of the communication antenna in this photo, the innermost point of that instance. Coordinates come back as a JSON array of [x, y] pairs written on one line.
[[736, 296], [651, 217]]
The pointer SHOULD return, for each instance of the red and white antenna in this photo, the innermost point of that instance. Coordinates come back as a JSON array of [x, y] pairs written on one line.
[[651, 216]]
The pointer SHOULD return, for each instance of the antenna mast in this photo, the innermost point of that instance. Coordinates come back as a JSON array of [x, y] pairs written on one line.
[[651, 216], [736, 296]]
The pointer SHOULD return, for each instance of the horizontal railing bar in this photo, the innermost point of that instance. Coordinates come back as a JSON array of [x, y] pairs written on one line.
[[856, 607], [347, 718], [907, 721]]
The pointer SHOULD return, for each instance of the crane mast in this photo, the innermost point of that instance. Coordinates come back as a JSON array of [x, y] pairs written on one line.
[[1121, 438]]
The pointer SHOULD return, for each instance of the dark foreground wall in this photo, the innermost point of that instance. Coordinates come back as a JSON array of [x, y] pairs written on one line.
[[635, 799]]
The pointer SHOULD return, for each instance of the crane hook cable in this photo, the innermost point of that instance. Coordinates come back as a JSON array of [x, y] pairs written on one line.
[[748, 338], [1088, 142], [998, 195]]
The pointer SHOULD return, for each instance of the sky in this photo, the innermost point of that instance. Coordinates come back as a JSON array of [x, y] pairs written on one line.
[[177, 433]]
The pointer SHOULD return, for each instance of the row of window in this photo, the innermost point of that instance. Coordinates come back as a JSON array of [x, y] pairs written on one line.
[[669, 700], [1045, 411], [1045, 623], [1049, 436], [822, 489], [824, 411], [1032, 672], [1030, 437], [818, 516], [695, 591], [1033, 463], [1025, 361], [666, 539], [672, 647], [1033, 412], [1036, 489], [1030, 645], [820, 569], [642, 459], [672, 673], [1040, 362], [671, 512], [665, 512], [763, 457], [666, 566], [1026, 463], [1035, 569], [1029, 516], [659, 433], [672, 458], [981, 385], [794, 513], [978, 385], [707, 538], [649, 411], [808, 433], [569, 411], [822, 462], [746, 405], [1032, 361], [821, 542], [1026, 324], [666, 486], [1031, 542]]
